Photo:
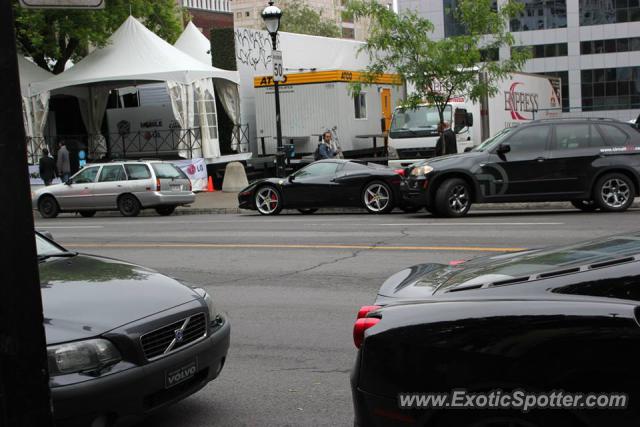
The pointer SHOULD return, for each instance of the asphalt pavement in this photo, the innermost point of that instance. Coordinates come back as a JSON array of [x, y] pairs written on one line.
[[292, 284]]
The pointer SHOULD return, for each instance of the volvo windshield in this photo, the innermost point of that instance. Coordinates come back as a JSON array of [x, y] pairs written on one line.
[[415, 122]]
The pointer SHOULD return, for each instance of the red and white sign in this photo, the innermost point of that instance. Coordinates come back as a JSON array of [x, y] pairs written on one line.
[[196, 170]]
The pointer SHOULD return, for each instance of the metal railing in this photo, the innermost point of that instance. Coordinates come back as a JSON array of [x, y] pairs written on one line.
[[170, 143], [159, 143]]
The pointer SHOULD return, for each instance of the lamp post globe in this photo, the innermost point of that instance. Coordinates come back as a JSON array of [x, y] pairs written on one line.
[[271, 16]]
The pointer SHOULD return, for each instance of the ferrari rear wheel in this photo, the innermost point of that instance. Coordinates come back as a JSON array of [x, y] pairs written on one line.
[[377, 198], [268, 200]]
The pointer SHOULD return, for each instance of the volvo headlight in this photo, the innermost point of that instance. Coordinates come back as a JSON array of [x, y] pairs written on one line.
[[421, 170], [81, 356], [213, 313]]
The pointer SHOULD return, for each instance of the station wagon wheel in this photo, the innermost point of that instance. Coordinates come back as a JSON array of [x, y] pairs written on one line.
[[614, 192], [268, 201], [453, 198], [585, 205], [377, 198], [48, 207], [128, 205]]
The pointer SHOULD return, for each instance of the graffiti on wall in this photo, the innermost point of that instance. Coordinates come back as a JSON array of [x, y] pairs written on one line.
[[253, 48]]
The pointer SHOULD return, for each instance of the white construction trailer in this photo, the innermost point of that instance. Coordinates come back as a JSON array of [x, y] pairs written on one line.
[[316, 101]]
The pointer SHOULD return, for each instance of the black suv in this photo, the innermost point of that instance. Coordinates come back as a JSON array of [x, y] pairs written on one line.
[[593, 163]]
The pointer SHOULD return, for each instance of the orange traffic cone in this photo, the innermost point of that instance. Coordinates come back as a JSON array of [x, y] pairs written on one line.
[[210, 187]]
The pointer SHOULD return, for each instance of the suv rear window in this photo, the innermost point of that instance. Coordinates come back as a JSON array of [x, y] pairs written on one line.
[[135, 172], [614, 136], [168, 171]]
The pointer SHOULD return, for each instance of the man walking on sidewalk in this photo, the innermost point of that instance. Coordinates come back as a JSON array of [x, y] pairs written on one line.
[[63, 163], [47, 167]]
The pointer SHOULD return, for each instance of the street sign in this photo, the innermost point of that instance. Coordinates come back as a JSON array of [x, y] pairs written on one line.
[[278, 69], [63, 4]]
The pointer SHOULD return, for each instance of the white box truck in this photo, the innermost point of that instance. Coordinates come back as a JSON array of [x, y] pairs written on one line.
[[520, 98]]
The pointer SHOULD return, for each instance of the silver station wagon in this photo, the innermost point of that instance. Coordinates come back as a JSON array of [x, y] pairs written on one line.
[[127, 186]]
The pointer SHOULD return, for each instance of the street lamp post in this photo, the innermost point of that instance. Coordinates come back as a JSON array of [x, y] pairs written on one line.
[[271, 16]]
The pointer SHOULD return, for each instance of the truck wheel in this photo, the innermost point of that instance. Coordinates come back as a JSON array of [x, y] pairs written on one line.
[[377, 198], [128, 205], [585, 205], [453, 198], [48, 207], [614, 192], [268, 200]]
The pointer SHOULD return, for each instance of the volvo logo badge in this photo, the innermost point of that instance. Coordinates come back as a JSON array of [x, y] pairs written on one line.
[[178, 334]]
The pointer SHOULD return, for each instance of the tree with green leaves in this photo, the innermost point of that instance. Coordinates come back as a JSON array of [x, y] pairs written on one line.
[[298, 17], [438, 70], [51, 37]]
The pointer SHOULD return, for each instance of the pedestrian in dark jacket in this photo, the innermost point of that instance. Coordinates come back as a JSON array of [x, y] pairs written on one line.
[[63, 163], [47, 167], [325, 151], [447, 143]]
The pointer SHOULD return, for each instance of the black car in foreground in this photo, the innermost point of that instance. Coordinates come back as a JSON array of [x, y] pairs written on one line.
[[327, 183], [562, 320], [593, 163], [123, 340]]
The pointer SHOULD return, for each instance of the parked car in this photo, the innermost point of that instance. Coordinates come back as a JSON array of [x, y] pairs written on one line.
[[327, 183], [593, 163], [125, 186], [564, 318], [123, 340]]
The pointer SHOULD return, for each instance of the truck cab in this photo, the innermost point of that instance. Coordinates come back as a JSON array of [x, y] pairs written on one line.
[[414, 131]]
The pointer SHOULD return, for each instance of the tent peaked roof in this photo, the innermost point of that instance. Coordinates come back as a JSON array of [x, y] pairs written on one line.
[[134, 53], [195, 44], [30, 73]]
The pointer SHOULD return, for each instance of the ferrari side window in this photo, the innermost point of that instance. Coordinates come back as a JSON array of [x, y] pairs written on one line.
[[318, 169]]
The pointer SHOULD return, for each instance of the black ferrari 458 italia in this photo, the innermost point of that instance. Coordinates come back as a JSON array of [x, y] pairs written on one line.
[[541, 323], [328, 183]]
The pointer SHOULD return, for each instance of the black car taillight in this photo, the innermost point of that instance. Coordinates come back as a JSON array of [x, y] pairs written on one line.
[[363, 323], [360, 327], [364, 310]]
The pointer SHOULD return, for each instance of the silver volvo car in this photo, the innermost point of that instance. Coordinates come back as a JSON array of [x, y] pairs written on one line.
[[127, 186]]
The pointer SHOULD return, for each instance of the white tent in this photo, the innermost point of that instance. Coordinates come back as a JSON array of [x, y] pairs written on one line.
[[34, 109], [134, 54], [195, 44]]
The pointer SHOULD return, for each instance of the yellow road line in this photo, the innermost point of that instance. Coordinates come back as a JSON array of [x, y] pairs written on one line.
[[289, 246]]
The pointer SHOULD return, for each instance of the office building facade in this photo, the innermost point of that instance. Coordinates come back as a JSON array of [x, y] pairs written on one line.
[[593, 45]]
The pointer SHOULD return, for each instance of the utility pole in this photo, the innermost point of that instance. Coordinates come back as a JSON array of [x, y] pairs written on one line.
[[24, 380]]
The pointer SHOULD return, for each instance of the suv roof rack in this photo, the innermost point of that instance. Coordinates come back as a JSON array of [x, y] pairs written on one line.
[[603, 119]]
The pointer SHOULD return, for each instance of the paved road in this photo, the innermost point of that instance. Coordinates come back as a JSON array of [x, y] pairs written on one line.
[[292, 284]]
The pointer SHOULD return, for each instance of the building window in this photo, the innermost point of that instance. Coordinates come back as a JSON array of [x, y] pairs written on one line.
[[564, 81], [489, 54], [348, 33], [360, 105], [545, 50], [597, 12], [247, 13], [609, 46], [610, 88], [238, 14], [541, 15], [452, 27]]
